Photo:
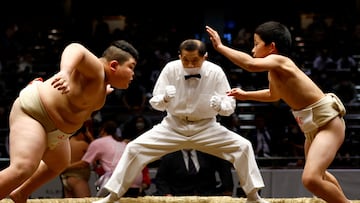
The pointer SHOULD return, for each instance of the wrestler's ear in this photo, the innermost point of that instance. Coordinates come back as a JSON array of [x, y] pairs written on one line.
[[113, 65], [272, 48]]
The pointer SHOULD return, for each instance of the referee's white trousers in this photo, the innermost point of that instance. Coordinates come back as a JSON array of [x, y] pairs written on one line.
[[164, 138]]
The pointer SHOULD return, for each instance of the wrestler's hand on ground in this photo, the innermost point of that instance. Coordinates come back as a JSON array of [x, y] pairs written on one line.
[[215, 103], [61, 82], [238, 93], [170, 92], [214, 37]]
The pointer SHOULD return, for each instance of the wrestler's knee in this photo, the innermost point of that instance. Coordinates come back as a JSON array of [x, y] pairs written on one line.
[[310, 181], [23, 170]]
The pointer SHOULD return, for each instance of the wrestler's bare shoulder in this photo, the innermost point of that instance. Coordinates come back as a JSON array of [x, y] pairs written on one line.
[[283, 63]]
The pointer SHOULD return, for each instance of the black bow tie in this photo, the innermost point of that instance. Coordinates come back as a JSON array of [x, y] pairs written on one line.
[[192, 76]]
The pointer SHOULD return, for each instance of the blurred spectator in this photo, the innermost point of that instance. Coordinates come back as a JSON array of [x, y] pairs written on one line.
[[135, 126], [103, 154], [75, 180], [242, 40], [101, 36], [261, 137], [10, 46], [346, 62], [318, 30], [296, 141], [121, 31], [323, 61], [134, 98], [344, 88], [323, 65]]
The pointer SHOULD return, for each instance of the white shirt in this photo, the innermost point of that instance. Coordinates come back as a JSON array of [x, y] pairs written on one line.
[[193, 95]]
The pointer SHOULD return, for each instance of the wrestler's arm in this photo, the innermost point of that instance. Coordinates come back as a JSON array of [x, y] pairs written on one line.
[[239, 58], [263, 95], [243, 59], [271, 94], [75, 57]]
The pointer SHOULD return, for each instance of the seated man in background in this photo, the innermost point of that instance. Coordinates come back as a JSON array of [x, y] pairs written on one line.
[[75, 180], [174, 176]]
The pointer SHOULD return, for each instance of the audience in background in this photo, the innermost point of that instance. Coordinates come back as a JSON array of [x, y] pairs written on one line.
[[260, 137], [344, 88], [135, 126], [19, 40], [295, 139], [323, 61]]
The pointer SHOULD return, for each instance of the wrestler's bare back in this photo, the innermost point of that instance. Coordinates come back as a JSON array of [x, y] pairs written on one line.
[[292, 85], [69, 111]]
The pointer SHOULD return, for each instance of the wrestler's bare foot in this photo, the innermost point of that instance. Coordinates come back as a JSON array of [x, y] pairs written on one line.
[[17, 197]]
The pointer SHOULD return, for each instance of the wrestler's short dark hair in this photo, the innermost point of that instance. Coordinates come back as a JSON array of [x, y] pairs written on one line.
[[276, 32], [127, 47], [121, 51]]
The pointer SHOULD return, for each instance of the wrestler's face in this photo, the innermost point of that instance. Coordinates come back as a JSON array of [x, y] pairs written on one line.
[[260, 49], [123, 74]]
